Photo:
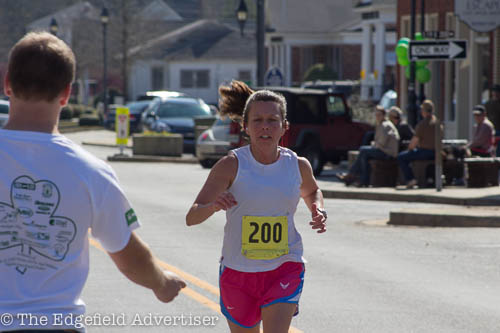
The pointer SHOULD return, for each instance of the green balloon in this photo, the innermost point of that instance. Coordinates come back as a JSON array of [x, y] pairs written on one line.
[[407, 72], [402, 51], [404, 40], [423, 75], [418, 36], [422, 63], [403, 61]]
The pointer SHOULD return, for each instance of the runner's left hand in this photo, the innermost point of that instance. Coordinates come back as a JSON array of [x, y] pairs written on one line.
[[318, 219]]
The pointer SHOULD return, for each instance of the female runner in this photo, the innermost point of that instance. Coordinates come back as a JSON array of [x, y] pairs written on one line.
[[259, 187]]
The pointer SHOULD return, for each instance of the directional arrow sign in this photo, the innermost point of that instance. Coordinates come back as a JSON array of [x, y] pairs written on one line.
[[438, 49]]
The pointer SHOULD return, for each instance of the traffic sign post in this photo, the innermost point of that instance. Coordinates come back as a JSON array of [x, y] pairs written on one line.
[[274, 77], [438, 50], [122, 125]]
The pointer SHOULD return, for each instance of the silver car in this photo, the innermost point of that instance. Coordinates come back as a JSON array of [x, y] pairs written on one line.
[[4, 112], [215, 142]]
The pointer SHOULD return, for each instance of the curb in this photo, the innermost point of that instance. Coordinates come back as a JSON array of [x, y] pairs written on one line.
[[108, 145], [73, 129], [460, 218], [421, 198], [147, 158]]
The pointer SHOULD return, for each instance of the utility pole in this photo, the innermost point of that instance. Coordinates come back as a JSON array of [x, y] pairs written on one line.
[[260, 42], [422, 29], [412, 97]]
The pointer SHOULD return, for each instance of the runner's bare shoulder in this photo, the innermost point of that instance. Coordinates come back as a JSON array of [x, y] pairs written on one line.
[[228, 166]]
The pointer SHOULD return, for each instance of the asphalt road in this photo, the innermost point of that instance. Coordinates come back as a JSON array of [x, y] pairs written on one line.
[[361, 275]]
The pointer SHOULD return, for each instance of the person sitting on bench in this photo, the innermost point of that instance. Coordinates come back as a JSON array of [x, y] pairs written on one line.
[[484, 134], [405, 131], [422, 145], [385, 146]]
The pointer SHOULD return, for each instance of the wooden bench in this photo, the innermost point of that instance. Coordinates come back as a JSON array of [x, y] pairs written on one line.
[[384, 173], [482, 171], [424, 170]]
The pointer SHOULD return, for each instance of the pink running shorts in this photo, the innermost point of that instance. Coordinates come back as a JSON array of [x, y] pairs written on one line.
[[242, 294]]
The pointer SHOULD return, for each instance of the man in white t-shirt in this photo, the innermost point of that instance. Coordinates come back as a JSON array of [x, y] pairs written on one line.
[[51, 193]]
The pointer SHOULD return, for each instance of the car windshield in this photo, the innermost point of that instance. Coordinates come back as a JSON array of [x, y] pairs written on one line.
[[137, 107], [4, 109], [177, 109]]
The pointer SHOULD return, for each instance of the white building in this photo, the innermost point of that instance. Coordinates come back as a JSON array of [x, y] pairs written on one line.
[[378, 26], [194, 59]]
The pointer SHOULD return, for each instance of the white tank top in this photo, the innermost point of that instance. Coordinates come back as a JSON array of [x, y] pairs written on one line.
[[265, 191]]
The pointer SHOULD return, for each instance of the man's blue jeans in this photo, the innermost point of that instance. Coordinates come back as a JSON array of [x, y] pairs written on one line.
[[361, 166], [497, 133], [406, 157]]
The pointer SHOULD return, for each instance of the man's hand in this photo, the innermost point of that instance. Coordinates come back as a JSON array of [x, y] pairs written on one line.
[[170, 287], [318, 218]]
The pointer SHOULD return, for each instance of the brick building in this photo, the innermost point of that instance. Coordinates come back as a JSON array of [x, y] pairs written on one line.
[[456, 86]]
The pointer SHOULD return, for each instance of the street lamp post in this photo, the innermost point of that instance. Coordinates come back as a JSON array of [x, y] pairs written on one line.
[[242, 15], [53, 27], [104, 21]]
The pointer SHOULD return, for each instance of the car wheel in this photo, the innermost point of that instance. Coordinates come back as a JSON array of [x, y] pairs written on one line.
[[313, 154], [207, 164]]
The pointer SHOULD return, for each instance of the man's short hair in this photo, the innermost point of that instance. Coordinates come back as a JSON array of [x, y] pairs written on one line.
[[40, 67], [395, 112], [381, 109], [427, 106]]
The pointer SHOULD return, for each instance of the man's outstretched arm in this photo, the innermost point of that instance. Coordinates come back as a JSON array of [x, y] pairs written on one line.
[[138, 264]]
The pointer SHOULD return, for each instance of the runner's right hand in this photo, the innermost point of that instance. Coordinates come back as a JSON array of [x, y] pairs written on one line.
[[170, 288], [224, 201]]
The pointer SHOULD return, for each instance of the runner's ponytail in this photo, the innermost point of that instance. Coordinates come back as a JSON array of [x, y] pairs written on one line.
[[233, 98]]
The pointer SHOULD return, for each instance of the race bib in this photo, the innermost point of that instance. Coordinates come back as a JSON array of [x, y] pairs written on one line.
[[264, 237]]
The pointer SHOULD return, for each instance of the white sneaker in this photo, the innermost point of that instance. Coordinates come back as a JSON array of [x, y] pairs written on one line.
[[411, 184]]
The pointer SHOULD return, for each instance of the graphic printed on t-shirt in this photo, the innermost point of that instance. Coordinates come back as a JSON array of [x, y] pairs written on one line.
[[264, 237], [130, 216], [30, 224]]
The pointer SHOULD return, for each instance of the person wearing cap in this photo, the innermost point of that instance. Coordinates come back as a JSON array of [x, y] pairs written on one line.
[[422, 145], [493, 106], [384, 147], [493, 111], [484, 134], [405, 131]]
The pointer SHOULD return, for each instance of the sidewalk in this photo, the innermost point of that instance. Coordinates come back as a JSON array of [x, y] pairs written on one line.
[[334, 189], [450, 195], [470, 204]]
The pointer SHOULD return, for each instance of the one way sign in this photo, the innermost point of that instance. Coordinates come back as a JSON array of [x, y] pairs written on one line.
[[438, 49]]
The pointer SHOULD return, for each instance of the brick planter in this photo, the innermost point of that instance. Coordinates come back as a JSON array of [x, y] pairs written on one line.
[[171, 145]]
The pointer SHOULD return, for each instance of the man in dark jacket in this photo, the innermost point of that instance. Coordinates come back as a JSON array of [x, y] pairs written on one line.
[[405, 131]]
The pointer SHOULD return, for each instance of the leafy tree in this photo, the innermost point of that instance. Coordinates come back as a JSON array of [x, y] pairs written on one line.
[[320, 72]]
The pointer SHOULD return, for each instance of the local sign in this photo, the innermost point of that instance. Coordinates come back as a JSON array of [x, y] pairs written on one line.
[[436, 34], [479, 15], [122, 126], [438, 50], [274, 77]]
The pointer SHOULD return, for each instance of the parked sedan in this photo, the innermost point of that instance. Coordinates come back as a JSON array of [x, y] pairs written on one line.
[[176, 115], [215, 142], [135, 108], [4, 112]]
